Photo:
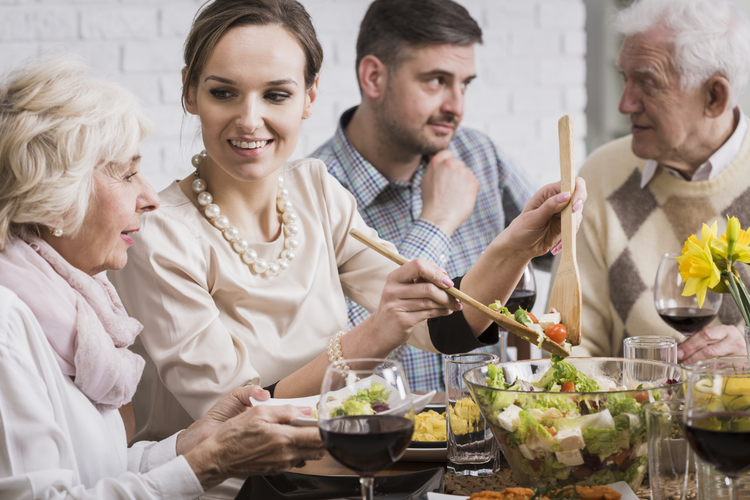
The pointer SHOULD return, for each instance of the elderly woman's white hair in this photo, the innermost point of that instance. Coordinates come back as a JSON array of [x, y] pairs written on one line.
[[59, 124], [711, 37]]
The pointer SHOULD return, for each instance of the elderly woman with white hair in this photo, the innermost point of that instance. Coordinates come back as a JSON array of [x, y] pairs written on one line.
[[71, 196], [685, 63]]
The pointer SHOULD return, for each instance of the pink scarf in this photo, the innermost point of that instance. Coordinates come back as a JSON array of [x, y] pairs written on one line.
[[82, 318]]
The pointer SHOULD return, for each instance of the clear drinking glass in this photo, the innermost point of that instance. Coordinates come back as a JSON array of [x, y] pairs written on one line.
[[670, 460], [681, 313], [471, 447], [366, 443], [650, 347], [717, 416]]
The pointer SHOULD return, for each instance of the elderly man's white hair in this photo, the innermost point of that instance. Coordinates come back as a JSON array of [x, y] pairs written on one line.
[[710, 37]]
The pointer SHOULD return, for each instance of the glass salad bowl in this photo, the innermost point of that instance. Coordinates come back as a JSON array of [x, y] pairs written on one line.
[[589, 437]]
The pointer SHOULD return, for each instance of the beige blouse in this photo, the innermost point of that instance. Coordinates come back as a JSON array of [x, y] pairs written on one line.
[[211, 324]]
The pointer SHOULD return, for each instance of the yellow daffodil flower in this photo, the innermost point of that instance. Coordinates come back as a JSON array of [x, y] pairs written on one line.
[[735, 234], [708, 234], [708, 264], [698, 270]]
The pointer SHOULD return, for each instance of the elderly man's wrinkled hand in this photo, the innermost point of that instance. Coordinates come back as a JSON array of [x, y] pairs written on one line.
[[710, 342], [257, 441]]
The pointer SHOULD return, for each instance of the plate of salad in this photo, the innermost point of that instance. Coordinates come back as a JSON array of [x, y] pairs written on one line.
[[367, 397], [573, 421]]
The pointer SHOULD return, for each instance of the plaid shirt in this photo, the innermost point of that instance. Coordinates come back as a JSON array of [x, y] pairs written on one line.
[[393, 209]]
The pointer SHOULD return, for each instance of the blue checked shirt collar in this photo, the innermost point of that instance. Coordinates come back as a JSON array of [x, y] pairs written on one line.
[[364, 181]]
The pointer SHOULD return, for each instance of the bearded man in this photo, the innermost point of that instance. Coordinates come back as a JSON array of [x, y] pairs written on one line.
[[435, 190]]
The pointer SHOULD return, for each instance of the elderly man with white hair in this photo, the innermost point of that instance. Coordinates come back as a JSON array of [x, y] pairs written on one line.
[[687, 161]]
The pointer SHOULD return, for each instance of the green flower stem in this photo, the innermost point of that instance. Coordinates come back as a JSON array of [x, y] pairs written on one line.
[[742, 301], [745, 296]]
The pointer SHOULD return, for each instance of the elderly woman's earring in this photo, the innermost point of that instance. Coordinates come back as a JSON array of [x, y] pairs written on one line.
[[56, 232]]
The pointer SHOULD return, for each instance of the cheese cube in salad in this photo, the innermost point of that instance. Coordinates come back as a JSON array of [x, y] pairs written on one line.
[[571, 458], [570, 439], [508, 418]]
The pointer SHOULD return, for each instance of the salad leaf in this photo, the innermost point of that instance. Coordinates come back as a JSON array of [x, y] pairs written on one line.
[[375, 394], [605, 442], [549, 467], [638, 469], [600, 478], [498, 306], [553, 401], [561, 372], [531, 428], [496, 378], [353, 407], [619, 403], [600, 420], [521, 316]]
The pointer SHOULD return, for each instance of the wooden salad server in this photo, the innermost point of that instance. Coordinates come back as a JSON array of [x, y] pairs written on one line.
[[505, 322], [565, 295]]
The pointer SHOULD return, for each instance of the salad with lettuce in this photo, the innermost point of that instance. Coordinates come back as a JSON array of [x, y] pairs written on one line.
[[557, 438], [365, 402]]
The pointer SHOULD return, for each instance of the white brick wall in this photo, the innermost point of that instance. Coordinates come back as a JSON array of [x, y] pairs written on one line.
[[531, 69]]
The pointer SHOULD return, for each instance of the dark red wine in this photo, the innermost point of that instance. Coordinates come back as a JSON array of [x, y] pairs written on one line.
[[367, 443], [688, 320], [726, 450], [521, 298]]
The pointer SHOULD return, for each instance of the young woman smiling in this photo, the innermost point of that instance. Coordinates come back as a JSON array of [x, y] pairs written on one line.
[[240, 276]]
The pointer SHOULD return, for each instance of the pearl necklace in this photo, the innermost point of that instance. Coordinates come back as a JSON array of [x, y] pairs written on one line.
[[231, 233]]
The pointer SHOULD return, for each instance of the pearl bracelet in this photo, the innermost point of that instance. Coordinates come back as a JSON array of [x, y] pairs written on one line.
[[334, 351]]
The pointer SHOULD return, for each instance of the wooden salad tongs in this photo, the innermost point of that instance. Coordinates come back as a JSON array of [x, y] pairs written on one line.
[[565, 295], [505, 322]]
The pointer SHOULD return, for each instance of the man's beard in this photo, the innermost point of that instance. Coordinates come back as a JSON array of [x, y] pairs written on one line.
[[408, 140]]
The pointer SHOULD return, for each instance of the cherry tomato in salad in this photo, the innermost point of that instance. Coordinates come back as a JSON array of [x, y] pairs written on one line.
[[641, 396], [532, 318], [568, 387], [557, 333]]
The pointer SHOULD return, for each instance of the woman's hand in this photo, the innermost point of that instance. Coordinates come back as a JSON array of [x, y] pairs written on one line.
[[228, 407], [234, 439], [536, 230], [710, 342], [413, 293]]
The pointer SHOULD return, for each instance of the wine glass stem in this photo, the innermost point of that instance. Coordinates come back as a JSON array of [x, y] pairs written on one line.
[[734, 493], [367, 483]]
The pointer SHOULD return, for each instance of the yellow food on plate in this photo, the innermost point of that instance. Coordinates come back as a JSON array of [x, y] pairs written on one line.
[[429, 426], [581, 492], [464, 416]]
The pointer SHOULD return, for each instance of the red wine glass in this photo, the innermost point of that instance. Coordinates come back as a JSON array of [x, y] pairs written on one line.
[[524, 295], [681, 313], [366, 416], [717, 416]]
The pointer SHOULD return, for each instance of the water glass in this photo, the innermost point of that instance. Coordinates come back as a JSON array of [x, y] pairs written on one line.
[[650, 347], [472, 449], [670, 461]]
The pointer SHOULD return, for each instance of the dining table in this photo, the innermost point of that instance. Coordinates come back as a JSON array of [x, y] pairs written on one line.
[[462, 486]]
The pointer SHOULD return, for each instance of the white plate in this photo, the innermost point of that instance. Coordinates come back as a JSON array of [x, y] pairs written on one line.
[[622, 488], [419, 401], [443, 496]]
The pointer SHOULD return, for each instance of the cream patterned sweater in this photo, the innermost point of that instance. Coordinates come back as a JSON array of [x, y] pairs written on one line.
[[626, 230]]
